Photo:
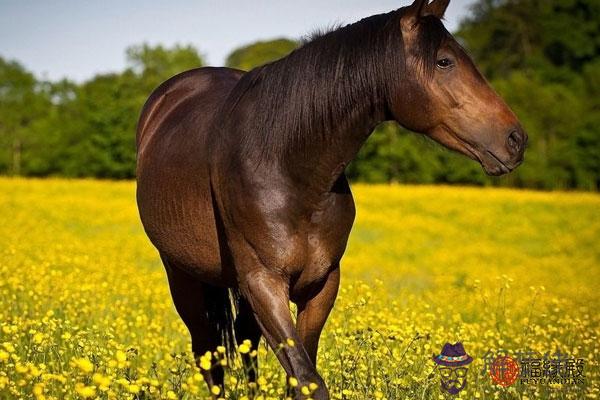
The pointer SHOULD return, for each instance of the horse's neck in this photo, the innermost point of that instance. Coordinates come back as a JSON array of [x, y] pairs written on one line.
[[323, 157], [311, 114], [329, 158]]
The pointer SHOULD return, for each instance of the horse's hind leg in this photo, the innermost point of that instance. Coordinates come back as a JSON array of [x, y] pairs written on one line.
[[246, 328], [191, 298]]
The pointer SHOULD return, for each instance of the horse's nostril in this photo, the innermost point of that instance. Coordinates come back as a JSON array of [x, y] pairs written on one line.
[[515, 140]]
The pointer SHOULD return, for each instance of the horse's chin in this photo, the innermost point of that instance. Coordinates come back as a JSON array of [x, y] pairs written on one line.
[[495, 170], [494, 166]]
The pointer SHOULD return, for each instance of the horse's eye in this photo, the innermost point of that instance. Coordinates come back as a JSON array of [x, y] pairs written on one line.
[[444, 63]]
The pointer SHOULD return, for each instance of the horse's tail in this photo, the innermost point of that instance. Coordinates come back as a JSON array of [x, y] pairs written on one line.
[[221, 307], [223, 304]]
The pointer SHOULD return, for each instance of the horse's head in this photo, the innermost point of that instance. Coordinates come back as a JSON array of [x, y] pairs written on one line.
[[445, 97]]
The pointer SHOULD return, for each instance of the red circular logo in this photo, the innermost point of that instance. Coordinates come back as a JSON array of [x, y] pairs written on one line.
[[504, 371]]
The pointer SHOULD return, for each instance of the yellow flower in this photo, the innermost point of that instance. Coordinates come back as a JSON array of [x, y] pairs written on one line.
[[205, 363], [38, 338], [38, 389], [100, 379], [9, 347], [293, 381], [215, 390], [121, 356], [85, 391], [20, 368], [84, 364], [244, 348], [133, 389], [34, 371]]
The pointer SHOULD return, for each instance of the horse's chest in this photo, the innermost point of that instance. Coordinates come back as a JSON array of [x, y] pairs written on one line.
[[326, 238], [328, 234]]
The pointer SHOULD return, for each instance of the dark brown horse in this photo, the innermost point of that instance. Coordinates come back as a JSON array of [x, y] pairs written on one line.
[[241, 182]]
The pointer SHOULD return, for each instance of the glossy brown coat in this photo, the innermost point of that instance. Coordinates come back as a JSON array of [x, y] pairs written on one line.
[[241, 182]]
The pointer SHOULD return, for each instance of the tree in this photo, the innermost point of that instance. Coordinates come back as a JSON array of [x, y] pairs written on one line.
[[22, 103], [259, 53], [81, 130], [154, 65], [553, 35], [100, 138]]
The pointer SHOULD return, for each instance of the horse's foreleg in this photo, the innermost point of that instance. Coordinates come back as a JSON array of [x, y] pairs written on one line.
[[313, 313], [268, 295]]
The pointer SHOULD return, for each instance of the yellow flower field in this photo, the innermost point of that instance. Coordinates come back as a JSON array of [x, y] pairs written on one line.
[[85, 310]]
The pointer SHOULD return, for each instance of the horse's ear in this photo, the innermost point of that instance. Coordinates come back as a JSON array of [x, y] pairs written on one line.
[[412, 14], [437, 8]]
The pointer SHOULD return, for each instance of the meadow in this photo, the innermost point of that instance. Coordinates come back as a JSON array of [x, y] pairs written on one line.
[[85, 310]]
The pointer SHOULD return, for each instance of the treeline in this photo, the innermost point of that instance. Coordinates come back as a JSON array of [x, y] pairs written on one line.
[[81, 130], [542, 56]]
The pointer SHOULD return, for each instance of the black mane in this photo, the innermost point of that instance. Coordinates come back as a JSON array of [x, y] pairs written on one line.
[[304, 96]]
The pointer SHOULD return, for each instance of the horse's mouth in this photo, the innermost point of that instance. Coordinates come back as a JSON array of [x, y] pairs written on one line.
[[490, 163], [493, 165]]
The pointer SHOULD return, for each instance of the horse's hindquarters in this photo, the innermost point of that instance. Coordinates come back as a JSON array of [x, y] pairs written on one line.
[[173, 187]]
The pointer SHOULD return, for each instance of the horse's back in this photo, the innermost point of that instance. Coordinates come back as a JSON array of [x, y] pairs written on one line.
[[195, 93], [173, 184]]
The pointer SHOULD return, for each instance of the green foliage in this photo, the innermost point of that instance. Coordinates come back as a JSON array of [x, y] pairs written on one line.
[[504, 35], [81, 130], [23, 102], [543, 57], [259, 53], [154, 65]]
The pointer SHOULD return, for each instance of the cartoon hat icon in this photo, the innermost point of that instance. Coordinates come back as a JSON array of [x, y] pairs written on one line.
[[453, 355]]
